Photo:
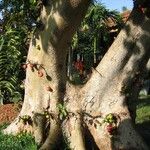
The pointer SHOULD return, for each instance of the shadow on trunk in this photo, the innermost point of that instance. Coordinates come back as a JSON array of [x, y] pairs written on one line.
[[144, 130], [122, 133]]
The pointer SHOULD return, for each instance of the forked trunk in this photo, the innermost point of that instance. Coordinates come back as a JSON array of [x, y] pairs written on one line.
[[53, 107]]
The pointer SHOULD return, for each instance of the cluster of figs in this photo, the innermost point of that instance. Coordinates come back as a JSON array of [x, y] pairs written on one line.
[[111, 121], [40, 70]]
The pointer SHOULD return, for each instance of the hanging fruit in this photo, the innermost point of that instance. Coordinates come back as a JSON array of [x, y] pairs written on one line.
[[24, 66], [48, 88], [31, 65], [40, 73], [110, 128], [38, 47]]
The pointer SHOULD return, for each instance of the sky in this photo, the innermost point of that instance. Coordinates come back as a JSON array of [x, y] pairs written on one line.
[[117, 4], [114, 4]]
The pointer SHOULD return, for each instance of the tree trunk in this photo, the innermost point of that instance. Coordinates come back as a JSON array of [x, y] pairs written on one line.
[[53, 107]]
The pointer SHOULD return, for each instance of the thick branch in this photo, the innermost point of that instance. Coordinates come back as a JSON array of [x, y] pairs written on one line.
[[130, 50]]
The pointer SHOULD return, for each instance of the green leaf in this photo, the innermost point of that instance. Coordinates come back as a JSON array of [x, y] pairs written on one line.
[[33, 1], [2, 43]]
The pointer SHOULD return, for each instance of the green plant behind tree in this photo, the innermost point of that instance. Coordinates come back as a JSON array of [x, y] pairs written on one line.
[[93, 37], [18, 20], [21, 141], [11, 55]]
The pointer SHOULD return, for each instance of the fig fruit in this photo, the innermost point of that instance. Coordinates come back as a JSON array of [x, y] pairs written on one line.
[[40, 73], [24, 66], [110, 128], [48, 88]]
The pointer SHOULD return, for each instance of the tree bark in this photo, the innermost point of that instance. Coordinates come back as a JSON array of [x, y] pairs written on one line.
[[88, 106]]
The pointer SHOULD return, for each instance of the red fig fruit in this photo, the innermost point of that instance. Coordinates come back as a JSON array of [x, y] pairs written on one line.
[[109, 128], [40, 73], [24, 66], [48, 88]]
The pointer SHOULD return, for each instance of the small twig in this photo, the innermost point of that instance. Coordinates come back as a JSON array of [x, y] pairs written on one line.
[[93, 117], [97, 71]]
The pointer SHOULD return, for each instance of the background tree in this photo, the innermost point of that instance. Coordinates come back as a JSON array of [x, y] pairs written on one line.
[[124, 8], [17, 23], [94, 36], [99, 107]]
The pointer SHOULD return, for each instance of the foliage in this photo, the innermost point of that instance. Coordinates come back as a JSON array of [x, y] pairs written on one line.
[[93, 37], [143, 118], [18, 20], [143, 109], [62, 111], [21, 141], [11, 55]]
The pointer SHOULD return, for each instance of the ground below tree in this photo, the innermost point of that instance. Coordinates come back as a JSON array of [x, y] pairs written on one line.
[[8, 112]]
